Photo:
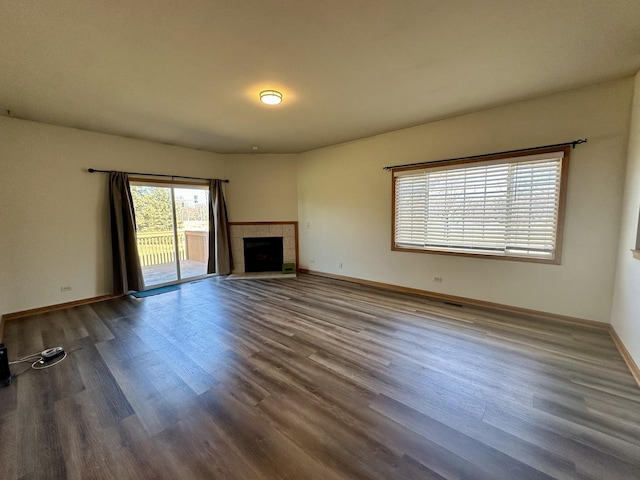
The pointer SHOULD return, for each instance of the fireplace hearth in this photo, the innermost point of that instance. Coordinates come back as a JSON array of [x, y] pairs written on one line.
[[288, 231]]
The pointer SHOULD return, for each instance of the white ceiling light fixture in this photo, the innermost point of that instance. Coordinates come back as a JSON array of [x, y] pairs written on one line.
[[270, 97]]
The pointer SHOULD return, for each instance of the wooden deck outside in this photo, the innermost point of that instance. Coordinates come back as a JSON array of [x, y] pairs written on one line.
[[166, 272]]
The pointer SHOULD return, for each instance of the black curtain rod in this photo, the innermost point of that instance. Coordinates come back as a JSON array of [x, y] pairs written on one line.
[[93, 170], [435, 162]]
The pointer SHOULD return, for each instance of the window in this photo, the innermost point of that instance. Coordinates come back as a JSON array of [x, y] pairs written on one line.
[[505, 206], [172, 230]]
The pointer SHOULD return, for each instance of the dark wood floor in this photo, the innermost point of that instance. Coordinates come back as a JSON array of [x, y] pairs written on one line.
[[311, 378]]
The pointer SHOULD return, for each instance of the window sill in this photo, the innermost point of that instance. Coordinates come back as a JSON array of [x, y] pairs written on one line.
[[636, 254], [548, 261]]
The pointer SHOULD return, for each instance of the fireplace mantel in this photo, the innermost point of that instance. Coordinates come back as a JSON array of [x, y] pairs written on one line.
[[287, 230]]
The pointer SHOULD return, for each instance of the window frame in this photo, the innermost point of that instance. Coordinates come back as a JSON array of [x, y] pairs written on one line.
[[562, 196]]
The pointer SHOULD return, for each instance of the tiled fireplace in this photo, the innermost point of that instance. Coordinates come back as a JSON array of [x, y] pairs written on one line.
[[241, 230]]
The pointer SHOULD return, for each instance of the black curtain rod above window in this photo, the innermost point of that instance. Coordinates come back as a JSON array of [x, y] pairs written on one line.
[[93, 170], [435, 162]]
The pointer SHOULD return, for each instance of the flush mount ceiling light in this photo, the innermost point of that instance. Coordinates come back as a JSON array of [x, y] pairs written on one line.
[[270, 97]]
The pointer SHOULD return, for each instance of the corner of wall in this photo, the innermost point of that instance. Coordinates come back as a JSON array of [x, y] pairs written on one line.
[[625, 311]]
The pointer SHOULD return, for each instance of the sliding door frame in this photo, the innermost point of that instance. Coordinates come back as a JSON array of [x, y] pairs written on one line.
[[172, 185]]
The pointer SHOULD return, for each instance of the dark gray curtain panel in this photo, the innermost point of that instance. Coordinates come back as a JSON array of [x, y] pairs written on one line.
[[127, 273], [220, 261]]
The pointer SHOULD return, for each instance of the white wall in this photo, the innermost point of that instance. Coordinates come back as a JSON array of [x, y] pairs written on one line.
[[262, 187], [625, 314], [345, 197], [54, 215]]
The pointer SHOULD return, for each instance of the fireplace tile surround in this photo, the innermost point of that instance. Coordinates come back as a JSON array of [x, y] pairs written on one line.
[[240, 230]]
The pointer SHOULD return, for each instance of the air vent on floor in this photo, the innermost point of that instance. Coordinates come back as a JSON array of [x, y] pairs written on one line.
[[454, 304]]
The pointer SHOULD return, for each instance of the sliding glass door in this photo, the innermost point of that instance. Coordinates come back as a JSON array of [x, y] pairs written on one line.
[[192, 218], [172, 231]]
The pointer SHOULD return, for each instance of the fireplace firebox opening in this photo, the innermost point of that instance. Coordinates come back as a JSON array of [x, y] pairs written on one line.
[[262, 254]]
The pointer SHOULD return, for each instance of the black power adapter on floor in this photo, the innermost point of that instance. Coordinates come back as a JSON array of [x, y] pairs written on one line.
[[5, 373]]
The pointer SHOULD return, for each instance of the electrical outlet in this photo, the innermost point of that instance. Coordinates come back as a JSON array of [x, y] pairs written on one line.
[[308, 225], [340, 265], [65, 289], [313, 260], [437, 279]]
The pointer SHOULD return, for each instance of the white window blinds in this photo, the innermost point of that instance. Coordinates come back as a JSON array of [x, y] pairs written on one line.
[[498, 207]]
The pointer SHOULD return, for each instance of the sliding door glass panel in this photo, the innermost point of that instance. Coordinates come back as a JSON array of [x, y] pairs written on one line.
[[192, 223], [155, 234]]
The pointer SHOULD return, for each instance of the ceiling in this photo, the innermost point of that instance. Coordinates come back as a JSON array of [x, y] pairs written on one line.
[[188, 72]]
